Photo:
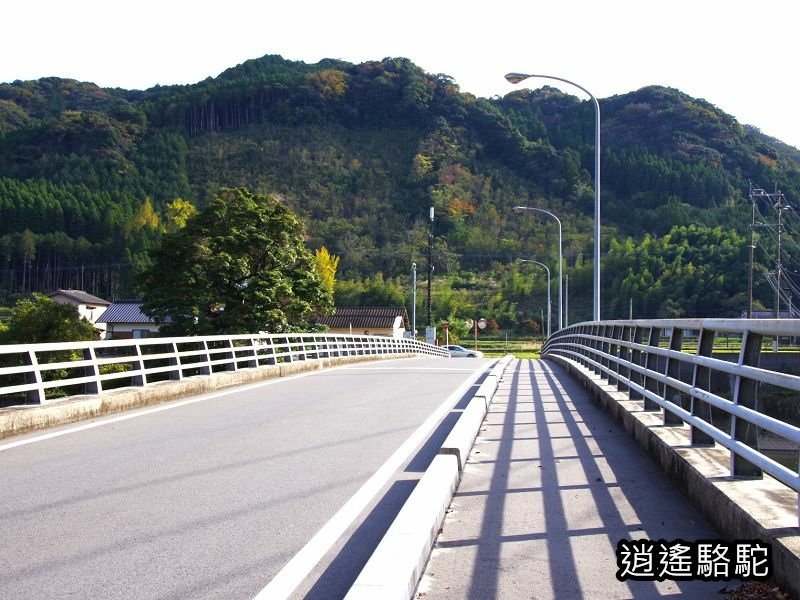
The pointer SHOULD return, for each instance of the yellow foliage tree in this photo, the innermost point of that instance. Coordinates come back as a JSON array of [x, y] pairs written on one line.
[[145, 217], [326, 265], [178, 212], [330, 84]]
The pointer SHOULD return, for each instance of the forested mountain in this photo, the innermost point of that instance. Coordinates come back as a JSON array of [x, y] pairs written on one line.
[[360, 153]]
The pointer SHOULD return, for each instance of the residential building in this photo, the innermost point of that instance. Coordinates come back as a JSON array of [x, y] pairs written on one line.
[[124, 319], [367, 320], [89, 307]]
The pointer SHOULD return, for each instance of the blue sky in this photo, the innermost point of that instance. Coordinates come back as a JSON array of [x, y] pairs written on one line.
[[738, 55]]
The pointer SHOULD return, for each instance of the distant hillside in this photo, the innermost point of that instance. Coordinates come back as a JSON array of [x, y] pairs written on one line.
[[361, 152]]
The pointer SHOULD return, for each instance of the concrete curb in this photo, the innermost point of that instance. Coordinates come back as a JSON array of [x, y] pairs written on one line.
[[16, 420], [738, 509], [461, 438], [400, 558], [395, 568]]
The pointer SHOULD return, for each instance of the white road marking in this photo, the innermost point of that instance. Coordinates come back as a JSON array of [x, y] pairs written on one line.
[[301, 564]]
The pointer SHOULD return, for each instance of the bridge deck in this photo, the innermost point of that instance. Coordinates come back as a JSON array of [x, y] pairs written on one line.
[[551, 486]]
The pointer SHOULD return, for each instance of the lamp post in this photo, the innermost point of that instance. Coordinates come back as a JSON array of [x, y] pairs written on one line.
[[430, 263], [414, 300], [517, 78], [524, 260], [520, 209]]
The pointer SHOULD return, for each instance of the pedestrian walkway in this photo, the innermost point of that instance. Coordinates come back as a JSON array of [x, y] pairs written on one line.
[[550, 488]]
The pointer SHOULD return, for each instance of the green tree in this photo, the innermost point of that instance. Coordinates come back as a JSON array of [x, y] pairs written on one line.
[[38, 319], [239, 266]]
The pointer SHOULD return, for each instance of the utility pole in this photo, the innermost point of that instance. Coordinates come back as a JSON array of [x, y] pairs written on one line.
[[777, 201], [780, 206], [752, 249]]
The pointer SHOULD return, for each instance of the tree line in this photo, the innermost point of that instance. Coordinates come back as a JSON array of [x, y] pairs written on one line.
[[89, 177]]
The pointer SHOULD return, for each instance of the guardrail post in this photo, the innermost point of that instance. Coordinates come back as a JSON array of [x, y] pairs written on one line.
[[636, 359], [92, 387], [745, 394], [701, 378], [624, 353], [35, 396], [175, 360], [138, 365], [205, 366], [231, 365], [606, 348], [672, 369], [651, 364], [617, 352], [596, 347]]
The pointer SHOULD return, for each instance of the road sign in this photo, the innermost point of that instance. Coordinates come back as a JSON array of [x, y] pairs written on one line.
[[482, 323]]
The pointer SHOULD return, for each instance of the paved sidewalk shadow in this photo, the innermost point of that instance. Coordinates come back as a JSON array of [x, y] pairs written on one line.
[[551, 486]]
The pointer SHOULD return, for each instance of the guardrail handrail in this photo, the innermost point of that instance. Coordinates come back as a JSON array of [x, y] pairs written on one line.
[[38, 373], [647, 359]]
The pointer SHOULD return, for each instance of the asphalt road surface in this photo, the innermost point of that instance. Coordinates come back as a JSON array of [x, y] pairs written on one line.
[[280, 489]]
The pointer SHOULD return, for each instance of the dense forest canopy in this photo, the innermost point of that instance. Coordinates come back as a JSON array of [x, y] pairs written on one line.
[[88, 177]]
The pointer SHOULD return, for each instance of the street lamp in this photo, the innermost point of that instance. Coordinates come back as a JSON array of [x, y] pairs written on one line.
[[520, 209], [414, 300], [430, 264], [524, 260], [517, 78]]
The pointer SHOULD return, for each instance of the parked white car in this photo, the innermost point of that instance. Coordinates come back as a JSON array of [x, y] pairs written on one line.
[[461, 351]]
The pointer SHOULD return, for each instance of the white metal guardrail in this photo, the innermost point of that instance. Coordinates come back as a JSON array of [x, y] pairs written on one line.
[[673, 368], [37, 373]]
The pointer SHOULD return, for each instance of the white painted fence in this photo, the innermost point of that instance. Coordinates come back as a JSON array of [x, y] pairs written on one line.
[[36, 373]]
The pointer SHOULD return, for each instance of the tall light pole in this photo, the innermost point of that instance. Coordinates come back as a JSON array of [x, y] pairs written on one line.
[[549, 310], [517, 78], [414, 300], [519, 209], [430, 263]]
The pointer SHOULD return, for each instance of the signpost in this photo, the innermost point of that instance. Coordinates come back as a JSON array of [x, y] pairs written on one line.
[[479, 324]]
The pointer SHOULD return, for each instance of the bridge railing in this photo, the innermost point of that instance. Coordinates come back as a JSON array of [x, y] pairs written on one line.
[[38, 373], [746, 401]]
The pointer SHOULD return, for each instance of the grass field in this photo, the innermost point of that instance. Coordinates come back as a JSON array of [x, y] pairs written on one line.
[[497, 347]]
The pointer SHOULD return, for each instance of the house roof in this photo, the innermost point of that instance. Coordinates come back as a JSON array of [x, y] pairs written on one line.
[[368, 317], [80, 297], [125, 311]]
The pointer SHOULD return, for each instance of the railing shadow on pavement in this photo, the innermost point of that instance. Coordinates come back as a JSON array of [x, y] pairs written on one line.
[[566, 484], [708, 419]]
